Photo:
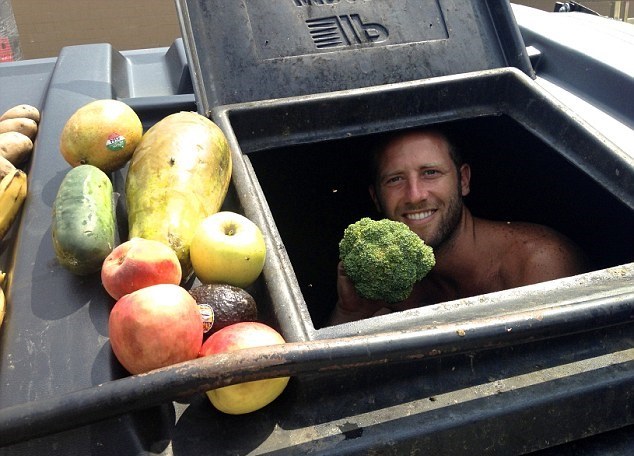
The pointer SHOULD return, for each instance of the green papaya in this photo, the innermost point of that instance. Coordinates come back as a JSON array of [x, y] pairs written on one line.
[[178, 175]]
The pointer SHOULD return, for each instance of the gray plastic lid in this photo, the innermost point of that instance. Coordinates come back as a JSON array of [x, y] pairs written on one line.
[[249, 50]]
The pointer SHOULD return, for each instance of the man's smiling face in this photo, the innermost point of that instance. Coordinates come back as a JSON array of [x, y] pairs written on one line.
[[417, 183]]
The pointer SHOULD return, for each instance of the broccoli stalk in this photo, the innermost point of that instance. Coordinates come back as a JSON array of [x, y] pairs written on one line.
[[384, 258]]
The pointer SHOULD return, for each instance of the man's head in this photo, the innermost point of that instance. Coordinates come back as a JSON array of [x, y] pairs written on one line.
[[420, 179]]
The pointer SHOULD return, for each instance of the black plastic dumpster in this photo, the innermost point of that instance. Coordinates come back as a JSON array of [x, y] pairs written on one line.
[[507, 373], [301, 117]]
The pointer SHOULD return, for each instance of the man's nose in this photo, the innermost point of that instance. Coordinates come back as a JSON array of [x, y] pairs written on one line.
[[416, 191]]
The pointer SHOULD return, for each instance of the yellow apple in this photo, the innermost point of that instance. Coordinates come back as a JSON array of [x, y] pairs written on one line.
[[228, 248], [245, 397]]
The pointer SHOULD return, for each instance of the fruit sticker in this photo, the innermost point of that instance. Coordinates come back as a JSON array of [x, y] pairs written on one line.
[[207, 314], [115, 142]]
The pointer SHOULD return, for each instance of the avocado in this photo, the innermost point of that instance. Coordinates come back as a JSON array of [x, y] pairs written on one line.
[[229, 304]]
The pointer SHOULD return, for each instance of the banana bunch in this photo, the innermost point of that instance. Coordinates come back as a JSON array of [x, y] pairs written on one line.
[[3, 303], [13, 190]]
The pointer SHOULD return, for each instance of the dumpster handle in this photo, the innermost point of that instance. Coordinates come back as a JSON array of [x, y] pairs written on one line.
[[43, 417]]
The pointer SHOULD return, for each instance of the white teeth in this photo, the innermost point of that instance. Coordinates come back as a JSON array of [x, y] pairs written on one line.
[[419, 215]]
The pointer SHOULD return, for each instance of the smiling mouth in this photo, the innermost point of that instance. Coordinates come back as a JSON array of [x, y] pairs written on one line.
[[416, 216]]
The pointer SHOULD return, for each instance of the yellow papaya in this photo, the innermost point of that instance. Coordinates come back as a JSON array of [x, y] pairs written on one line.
[[178, 175]]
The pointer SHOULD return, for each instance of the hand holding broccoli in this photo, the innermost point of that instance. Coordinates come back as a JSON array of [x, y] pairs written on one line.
[[350, 306], [384, 259]]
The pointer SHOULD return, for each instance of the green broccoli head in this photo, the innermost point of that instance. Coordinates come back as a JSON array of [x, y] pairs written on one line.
[[384, 258]]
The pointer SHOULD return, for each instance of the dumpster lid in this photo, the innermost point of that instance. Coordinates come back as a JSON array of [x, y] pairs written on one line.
[[251, 50]]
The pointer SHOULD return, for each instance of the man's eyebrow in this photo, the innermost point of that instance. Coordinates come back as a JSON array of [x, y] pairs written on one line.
[[431, 165], [395, 171], [382, 176]]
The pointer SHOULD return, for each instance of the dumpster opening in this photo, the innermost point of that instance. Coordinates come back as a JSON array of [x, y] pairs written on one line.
[[315, 190]]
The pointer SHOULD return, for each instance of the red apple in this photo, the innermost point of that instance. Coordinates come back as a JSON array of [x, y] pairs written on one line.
[[249, 396], [139, 263], [156, 326]]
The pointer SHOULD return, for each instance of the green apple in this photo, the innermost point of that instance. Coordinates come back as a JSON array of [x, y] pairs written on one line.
[[228, 248], [244, 397]]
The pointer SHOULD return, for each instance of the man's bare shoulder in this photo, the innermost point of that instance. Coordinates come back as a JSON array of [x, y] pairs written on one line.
[[521, 232], [531, 253]]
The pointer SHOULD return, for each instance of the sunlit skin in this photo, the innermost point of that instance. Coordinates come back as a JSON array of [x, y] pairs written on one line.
[[418, 184]]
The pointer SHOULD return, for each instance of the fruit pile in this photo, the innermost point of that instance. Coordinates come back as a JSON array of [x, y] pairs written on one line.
[[18, 128], [178, 174]]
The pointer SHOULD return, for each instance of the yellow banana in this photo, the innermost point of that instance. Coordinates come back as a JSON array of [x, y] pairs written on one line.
[[12, 195], [2, 299]]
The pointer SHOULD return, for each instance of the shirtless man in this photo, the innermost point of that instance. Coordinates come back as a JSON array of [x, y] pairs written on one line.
[[421, 181]]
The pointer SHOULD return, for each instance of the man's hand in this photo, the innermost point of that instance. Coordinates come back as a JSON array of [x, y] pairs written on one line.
[[350, 306]]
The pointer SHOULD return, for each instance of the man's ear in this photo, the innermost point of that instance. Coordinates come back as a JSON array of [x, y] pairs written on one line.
[[465, 179], [375, 198]]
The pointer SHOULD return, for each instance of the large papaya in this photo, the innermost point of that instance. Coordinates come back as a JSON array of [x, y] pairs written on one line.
[[178, 175]]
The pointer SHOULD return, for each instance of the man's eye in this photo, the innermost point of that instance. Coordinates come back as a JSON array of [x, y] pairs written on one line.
[[430, 172], [393, 179]]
